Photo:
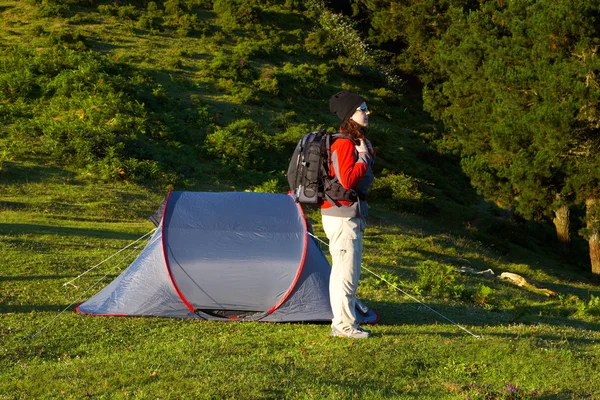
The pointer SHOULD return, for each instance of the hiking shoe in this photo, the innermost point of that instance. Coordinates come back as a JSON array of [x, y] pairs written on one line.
[[352, 333]]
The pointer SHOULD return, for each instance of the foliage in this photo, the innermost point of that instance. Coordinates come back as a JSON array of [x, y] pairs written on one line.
[[483, 295], [304, 79], [51, 8], [436, 278], [240, 143], [235, 14], [338, 33], [385, 281], [399, 191], [4, 157], [150, 93], [91, 113]]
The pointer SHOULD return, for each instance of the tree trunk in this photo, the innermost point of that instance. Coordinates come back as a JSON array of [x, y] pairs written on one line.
[[563, 228], [593, 233]]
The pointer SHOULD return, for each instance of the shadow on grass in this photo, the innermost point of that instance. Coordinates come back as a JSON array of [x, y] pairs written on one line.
[[35, 277], [440, 238], [13, 206], [30, 229], [26, 309], [412, 313], [18, 173]]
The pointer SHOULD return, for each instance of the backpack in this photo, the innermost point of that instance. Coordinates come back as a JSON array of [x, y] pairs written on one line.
[[308, 172]]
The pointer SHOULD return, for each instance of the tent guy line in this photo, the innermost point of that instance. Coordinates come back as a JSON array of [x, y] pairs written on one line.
[[407, 294], [31, 337], [108, 258]]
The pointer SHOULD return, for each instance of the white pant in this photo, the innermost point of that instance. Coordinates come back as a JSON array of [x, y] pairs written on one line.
[[345, 245]]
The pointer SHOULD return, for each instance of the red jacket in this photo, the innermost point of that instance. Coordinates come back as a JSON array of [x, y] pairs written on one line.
[[350, 166]]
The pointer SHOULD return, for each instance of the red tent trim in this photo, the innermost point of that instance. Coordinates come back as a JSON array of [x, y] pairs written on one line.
[[300, 268], [164, 248]]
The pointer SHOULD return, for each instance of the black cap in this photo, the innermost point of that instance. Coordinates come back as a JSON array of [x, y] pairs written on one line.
[[344, 104]]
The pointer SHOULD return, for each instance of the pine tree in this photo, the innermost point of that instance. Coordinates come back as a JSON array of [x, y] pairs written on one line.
[[519, 102]]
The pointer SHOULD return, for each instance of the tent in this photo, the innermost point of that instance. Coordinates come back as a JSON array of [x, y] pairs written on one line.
[[225, 256]]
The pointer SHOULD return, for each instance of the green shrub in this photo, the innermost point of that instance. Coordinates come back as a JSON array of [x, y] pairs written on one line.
[[235, 14], [245, 49], [127, 12], [436, 278], [241, 143], [67, 37], [228, 66], [82, 18], [122, 12], [147, 22], [483, 295], [284, 120], [591, 308], [82, 109], [283, 144], [385, 281], [267, 84], [400, 192], [51, 8], [240, 92], [304, 79], [318, 43], [4, 157]]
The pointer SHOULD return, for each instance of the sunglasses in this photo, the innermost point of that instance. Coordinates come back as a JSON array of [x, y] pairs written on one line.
[[363, 108]]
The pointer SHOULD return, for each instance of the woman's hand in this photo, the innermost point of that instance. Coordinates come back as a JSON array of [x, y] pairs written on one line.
[[362, 147]]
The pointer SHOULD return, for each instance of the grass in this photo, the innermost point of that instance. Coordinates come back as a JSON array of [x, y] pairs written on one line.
[[58, 220], [56, 225]]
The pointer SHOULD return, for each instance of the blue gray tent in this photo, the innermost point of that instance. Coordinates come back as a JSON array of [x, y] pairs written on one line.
[[225, 256]]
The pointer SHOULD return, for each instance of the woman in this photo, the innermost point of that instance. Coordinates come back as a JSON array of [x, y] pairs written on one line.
[[345, 209]]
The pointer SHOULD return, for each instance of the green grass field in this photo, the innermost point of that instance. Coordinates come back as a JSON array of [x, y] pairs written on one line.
[[58, 219], [54, 225]]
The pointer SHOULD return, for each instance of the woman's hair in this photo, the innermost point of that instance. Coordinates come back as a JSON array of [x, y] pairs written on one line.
[[352, 129]]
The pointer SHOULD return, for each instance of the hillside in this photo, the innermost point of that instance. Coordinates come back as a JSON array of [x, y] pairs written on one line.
[[105, 106]]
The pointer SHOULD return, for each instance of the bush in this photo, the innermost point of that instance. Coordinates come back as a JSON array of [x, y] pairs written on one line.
[[591, 308], [51, 8], [67, 37], [228, 66], [304, 79], [400, 192], [436, 278], [4, 157], [267, 84], [235, 14], [483, 296], [241, 143], [123, 12], [318, 43], [82, 109]]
